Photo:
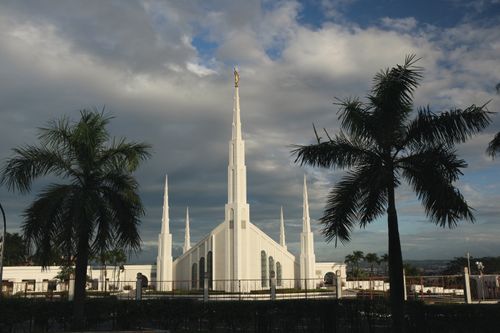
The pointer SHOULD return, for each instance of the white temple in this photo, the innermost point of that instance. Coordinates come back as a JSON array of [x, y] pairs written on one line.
[[236, 250]]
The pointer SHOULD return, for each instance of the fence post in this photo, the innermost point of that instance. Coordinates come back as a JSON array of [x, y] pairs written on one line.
[[404, 284], [273, 286], [467, 296], [205, 288], [338, 284], [71, 287], [138, 287]]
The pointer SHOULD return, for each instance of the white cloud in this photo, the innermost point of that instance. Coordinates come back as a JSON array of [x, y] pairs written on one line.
[[199, 70], [402, 24]]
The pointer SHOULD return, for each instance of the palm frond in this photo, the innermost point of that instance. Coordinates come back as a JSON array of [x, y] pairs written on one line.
[[392, 94], [124, 154], [438, 159], [339, 152], [341, 210], [57, 135], [43, 220], [345, 204], [432, 181], [31, 162], [494, 146], [455, 126], [373, 196], [126, 207], [355, 119]]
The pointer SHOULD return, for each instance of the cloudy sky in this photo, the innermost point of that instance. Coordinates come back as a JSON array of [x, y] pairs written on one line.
[[164, 70]]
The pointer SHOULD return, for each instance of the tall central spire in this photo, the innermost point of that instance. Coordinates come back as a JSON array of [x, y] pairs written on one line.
[[236, 108], [237, 209], [306, 220], [237, 189]]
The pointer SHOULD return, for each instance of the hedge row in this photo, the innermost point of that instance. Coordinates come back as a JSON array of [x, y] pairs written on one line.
[[25, 315]]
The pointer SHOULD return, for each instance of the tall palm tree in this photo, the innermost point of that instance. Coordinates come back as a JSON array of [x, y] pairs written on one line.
[[349, 261], [97, 204], [381, 145], [372, 259], [358, 257], [494, 146]]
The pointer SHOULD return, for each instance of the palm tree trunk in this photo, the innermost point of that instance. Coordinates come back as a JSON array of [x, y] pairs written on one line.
[[80, 282], [395, 264]]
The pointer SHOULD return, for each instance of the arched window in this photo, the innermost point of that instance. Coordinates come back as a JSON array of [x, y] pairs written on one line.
[[202, 273], [209, 269], [329, 278], [278, 274], [271, 267], [263, 268], [194, 276]]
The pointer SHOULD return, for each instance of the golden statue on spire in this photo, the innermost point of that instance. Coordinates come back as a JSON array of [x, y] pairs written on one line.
[[236, 78]]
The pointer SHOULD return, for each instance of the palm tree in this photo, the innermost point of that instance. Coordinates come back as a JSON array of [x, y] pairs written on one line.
[[372, 258], [353, 260], [95, 206], [349, 261], [117, 258], [494, 146], [385, 259], [358, 257], [381, 145]]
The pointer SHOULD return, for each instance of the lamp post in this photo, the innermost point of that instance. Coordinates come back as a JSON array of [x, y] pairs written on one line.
[[2, 246]]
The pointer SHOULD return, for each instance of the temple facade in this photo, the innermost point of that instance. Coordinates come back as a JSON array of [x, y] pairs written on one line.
[[236, 255]]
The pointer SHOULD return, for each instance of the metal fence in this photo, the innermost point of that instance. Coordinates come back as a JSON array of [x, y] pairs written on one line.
[[431, 289]]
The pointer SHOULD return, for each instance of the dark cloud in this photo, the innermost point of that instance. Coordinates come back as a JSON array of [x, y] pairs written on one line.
[[139, 60]]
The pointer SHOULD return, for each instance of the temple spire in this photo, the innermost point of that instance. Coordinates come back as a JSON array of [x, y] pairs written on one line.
[[306, 221], [236, 108], [307, 256], [282, 229], [187, 237], [165, 220], [164, 260], [237, 210]]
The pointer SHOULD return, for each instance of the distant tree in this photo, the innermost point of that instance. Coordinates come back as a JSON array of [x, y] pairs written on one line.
[[97, 205], [456, 266], [15, 251], [117, 258], [411, 270], [381, 145], [64, 273], [349, 261], [385, 260], [353, 260], [372, 259]]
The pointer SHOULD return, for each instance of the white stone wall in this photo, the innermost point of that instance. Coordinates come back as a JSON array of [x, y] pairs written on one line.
[[34, 278]]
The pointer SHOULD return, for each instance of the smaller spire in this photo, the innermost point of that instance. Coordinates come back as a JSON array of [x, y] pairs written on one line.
[[187, 237], [282, 229], [165, 220], [306, 221]]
